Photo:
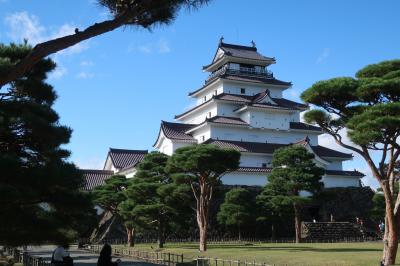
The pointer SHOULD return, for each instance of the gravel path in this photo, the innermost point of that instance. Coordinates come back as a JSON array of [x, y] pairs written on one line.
[[82, 258]]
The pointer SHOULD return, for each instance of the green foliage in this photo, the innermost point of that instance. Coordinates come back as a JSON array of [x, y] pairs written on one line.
[[39, 188], [202, 160], [293, 171], [110, 195], [377, 213], [147, 13], [368, 106], [238, 208], [202, 166], [157, 203], [377, 124]]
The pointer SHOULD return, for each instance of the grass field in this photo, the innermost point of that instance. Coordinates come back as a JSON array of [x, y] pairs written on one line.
[[367, 253]]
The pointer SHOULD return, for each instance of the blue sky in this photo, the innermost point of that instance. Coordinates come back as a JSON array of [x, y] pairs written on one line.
[[114, 89]]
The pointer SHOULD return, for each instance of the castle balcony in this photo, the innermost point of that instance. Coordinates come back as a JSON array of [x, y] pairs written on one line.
[[241, 71]]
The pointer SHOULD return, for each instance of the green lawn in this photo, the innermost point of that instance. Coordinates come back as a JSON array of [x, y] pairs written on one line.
[[284, 254]]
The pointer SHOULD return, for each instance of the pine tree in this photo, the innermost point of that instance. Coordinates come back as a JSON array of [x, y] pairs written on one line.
[[293, 172], [237, 210], [368, 107], [39, 188], [202, 166], [160, 202], [111, 198]]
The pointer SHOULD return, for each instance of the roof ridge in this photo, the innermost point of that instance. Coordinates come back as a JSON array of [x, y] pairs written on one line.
[[238, 46], [127, 150], [97, 170]]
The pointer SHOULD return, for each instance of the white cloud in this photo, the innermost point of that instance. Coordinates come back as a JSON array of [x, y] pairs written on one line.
[[324, 55], [59, 72], [85, 75], [24, 26], [145, 49], [27, 26], [90, 163], [87, 63], [163, 46]]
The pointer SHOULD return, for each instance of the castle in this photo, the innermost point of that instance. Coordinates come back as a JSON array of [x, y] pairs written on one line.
[[240, 106]]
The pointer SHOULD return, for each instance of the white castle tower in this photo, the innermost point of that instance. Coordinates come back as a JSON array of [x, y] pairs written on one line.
[[241, 106]]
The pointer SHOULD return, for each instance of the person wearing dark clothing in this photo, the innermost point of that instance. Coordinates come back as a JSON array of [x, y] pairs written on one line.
[[61, 257], [105, 257]]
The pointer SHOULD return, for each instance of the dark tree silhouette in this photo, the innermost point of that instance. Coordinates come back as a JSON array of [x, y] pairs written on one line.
[[39, 189]]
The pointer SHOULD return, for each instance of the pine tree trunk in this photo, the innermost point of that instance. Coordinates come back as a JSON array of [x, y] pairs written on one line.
[[273, 231], [131, 236], [240, 234], [161, 237], [391, 230], [297, 221], [202, 213], [203, 238]]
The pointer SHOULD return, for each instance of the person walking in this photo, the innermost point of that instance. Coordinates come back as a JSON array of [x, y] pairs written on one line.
[[105, 257], [61, 257]]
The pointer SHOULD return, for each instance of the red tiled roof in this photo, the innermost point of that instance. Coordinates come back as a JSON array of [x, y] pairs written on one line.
[[269, 148], [122, 158], [94, 178]]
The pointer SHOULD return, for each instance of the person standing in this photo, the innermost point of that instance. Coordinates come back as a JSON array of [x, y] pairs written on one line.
[[105, 257]]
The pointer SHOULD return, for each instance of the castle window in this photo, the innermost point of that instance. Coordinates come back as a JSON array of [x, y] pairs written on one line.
[[242, 90], [203, 138], [264, 165], [205, 98], [209, 114], [215, 92]]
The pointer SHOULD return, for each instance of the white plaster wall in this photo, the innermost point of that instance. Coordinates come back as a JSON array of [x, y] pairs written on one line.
[[273, 120], [260, 179], [166, 146], [200, 115], [177, 145], [260, 135], [234, 88], [226, 109], [212, 89], [294, 117], [255, 160], [334, 165], [248, 179], [108, 165], [337, 181], [245, 116], [202, 132]]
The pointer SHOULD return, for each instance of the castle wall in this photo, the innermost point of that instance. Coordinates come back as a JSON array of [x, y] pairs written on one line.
[[259, 135], [235, 88]]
